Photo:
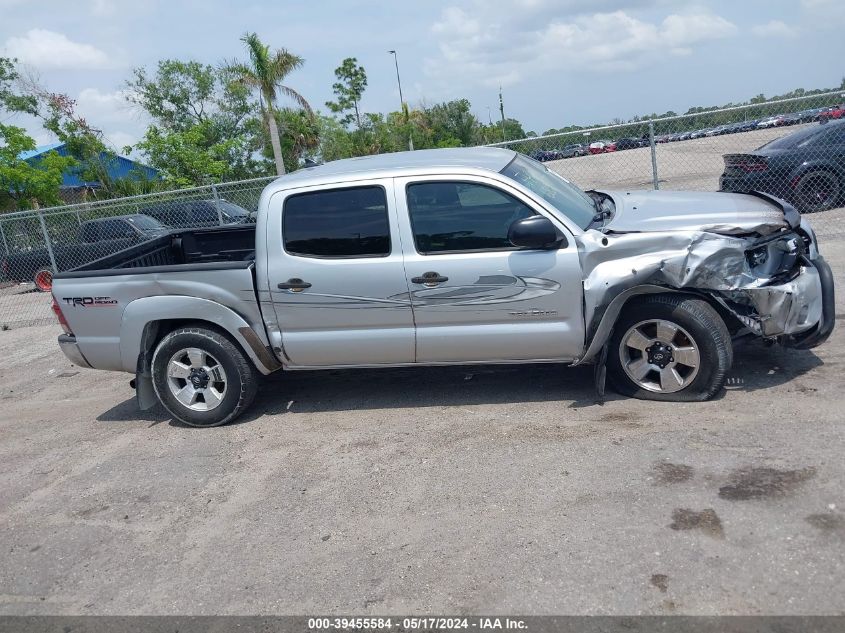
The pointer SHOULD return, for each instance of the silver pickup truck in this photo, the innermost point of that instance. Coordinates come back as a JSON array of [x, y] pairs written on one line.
[[458, 256]]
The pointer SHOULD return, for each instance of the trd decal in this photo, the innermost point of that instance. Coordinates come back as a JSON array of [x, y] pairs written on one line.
[[90, 302]]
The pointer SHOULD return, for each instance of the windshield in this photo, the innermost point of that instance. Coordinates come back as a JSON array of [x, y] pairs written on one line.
[[145, 223], [566, 197]]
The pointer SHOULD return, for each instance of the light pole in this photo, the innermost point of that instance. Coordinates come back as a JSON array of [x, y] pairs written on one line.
[[502, 112], [401, 100]]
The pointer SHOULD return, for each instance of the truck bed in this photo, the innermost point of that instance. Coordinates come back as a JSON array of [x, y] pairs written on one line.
[[225, 246]]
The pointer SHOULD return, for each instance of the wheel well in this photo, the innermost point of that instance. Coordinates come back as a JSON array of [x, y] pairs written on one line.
[[807, 169], [731, 322], [155, 331]]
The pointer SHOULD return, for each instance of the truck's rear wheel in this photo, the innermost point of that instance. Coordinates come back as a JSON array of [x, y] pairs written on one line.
[[202, 377], [669, 347]]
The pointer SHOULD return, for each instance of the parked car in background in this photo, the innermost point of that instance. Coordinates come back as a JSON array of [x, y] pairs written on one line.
[[807, 168], [575, 149], [747, 126], [542, 155], [772, 121], [94, 239], [793, 118], [629, 143], [836, 112], [601, 147], [180, 214]]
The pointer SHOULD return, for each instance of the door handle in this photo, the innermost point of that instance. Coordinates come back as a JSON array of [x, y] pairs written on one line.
[[430, 279], [294, 284]]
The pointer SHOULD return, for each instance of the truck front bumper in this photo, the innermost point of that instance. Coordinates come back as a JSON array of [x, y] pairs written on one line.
[[798, 313], [68, 345], [824, 327]]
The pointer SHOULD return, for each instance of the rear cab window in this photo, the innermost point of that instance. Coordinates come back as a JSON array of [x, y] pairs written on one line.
[[351, 222]]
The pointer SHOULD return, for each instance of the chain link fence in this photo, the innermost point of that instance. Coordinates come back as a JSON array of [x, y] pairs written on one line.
[[793, 148], [36, 244]]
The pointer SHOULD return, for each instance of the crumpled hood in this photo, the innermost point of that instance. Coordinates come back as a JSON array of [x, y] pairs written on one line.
[[714, 212]]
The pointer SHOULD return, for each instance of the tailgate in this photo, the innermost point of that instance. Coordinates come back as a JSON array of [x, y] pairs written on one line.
[[98, 305]]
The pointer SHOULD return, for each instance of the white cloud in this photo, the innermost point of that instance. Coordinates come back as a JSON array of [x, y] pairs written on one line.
[[824, 14], [119, 139], [774, 28], [494, 49], [122, 124], [48, 50], [104, 106]]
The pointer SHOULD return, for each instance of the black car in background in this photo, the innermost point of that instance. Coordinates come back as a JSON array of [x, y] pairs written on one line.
[[94, 239], [181, 214], [630, 143], [806, 168]]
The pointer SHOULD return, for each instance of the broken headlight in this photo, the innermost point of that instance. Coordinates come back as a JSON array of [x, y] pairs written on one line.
[[775, 257]]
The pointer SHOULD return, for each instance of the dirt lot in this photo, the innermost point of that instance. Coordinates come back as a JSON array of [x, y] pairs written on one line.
[[502, 489]]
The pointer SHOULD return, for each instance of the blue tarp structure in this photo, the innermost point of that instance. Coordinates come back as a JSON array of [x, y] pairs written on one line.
[[118, 167]]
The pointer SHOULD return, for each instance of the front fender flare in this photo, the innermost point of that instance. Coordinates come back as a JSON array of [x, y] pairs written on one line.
[[604, 328]]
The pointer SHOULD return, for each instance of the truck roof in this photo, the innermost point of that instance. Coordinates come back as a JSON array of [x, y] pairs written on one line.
[[490, 158]]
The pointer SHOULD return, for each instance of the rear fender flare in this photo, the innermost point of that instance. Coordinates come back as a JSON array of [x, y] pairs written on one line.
[[140, 323]]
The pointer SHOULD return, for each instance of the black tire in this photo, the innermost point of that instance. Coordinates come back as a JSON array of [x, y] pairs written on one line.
[[695, 318], [241, 376], [817, 190]]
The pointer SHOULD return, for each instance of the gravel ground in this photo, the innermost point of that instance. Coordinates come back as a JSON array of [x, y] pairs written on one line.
[[497, 490]]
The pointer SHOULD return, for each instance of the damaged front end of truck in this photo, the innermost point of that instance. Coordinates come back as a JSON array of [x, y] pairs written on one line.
[[751, 255]]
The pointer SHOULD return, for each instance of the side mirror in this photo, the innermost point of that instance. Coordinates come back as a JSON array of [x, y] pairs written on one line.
[[534, 232]]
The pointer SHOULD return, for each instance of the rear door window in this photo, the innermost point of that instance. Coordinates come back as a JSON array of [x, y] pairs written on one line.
[[337, 223]]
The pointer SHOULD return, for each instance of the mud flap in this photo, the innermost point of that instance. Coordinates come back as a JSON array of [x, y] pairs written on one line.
[[145, 393], [600, 372]]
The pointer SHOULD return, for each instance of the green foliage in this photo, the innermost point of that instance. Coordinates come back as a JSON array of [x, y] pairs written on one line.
[[190, 157], [301, 137], [452, 123], [265, 72], [82, 141], [24, 185], [10, 100], [349, 87], [204, 123]]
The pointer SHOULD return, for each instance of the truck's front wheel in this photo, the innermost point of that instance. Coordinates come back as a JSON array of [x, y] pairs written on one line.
[[202, 377], [669, 347]]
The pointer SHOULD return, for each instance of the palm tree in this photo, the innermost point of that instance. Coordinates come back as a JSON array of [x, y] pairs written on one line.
[[265, 72]]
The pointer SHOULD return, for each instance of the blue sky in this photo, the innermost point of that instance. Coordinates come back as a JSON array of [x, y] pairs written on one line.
[[559, 61]]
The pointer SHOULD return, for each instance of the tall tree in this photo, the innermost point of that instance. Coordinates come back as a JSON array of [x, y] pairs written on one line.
[[349, 87], [24, 184], [204, 125], [452, 123], [265, 72]]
